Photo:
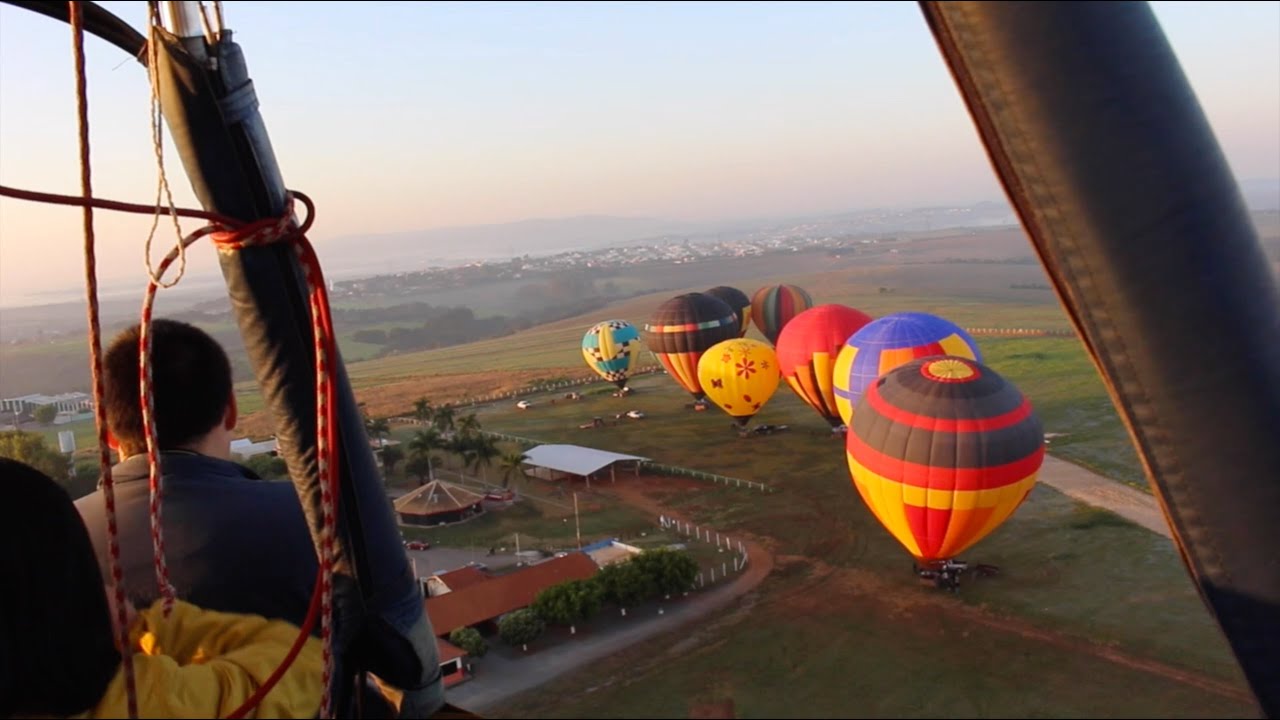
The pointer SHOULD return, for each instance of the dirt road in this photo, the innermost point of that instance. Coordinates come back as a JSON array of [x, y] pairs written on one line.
[[1093, 489]]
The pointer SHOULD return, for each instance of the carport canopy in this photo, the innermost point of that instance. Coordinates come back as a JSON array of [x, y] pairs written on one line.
[[577, 460]]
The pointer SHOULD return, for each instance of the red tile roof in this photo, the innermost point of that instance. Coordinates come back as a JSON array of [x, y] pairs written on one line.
[[500, 595], [463, 577], [448, 651]]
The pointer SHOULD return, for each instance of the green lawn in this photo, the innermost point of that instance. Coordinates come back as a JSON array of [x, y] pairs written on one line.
[[1084, 573]]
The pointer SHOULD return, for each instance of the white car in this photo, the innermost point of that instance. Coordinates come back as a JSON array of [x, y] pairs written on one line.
[[524, 404], [635, 414]]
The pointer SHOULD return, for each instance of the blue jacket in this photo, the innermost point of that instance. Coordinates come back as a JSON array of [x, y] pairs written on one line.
[[233, 542]]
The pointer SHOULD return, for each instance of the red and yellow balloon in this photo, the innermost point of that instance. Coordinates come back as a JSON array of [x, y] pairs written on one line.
[[943, 450], [807, 350]]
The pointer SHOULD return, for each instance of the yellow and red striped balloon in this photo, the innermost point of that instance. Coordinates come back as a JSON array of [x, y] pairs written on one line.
[[943, 450]]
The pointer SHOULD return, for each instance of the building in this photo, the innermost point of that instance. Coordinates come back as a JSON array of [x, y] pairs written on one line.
[[247, 448], [610, 552], [71, 403], [438, 503], [450, 657], [552, 462], [482, 604], [447, 582]]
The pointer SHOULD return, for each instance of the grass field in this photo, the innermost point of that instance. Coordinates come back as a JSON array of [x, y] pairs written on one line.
[[1082, 575]]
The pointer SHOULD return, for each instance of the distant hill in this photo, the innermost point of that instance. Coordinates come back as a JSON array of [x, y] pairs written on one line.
[[450, 245]]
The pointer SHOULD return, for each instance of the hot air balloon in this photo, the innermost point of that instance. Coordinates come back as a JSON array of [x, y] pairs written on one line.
[[612, 349], [773, 306], [807, 350], [740, 376], [887, 342], [943, 450], [736, 299], [683, 328]]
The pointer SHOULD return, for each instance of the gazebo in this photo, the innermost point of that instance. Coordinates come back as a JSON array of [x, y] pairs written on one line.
[[438, 503]]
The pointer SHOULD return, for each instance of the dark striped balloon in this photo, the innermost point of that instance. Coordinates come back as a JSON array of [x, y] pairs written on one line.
[[683, 328], [773, 306], [736, 299], [943, 450]]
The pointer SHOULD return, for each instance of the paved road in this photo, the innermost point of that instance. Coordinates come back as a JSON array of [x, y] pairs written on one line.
[[439, 559]]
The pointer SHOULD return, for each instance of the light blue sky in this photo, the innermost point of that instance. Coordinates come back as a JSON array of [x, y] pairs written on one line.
[[398, 116]]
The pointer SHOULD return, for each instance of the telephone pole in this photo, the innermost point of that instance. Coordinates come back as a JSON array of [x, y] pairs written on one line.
[[577, 526]]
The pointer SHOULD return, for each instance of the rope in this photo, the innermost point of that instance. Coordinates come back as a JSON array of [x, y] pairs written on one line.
[[228, 236], [76, 20], [157, 145]]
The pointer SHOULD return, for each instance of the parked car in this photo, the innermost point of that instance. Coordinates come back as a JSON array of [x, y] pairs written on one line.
[[417, 545]]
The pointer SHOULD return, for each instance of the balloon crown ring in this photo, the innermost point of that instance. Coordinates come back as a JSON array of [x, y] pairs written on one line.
[[950, 370]]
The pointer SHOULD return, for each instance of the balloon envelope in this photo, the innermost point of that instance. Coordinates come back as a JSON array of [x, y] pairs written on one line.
[[612, 349], [773, 306], [739, 376], [885, 343], [807, 350], [736, 299], [683, 328], [943, 450]]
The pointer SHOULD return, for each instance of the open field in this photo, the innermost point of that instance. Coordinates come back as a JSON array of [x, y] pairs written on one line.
[[1083, 593]]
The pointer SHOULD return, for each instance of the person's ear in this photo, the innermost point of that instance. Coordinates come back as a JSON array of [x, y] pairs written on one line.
[[233, 414]]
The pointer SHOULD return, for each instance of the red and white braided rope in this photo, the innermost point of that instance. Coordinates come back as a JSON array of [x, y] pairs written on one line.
[[76, 20]]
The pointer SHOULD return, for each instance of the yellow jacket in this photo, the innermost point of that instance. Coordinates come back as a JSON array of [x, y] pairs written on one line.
[[202, 664]]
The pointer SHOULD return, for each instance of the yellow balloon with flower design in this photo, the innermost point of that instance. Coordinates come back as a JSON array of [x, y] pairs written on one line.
[[739, 376]]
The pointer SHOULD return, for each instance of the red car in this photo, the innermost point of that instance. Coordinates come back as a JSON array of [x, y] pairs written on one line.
[[416, 545]]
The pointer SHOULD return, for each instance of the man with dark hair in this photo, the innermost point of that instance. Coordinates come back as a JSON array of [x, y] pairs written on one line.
[[233, 542]]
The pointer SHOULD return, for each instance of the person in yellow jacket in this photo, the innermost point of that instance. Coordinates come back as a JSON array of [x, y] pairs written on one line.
[[58, 654]]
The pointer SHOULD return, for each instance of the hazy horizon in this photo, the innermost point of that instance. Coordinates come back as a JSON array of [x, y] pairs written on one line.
[[470, 114]]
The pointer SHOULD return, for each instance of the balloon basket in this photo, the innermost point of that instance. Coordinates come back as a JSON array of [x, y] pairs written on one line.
[[946, 574]]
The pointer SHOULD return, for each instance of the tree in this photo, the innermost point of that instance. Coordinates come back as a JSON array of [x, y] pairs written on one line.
[[30, 448], [469, 424], [419, 466], [391, 455], [442, 419], [510, 464], [569, 603], [469, 639], [626, 584], [520, 627], [45, 414], [425, 442], [377, 428], [268, 467], [484, 450], [422, 410], [670, 571]]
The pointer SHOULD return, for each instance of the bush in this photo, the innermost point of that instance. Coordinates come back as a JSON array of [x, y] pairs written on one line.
[[469, 639]]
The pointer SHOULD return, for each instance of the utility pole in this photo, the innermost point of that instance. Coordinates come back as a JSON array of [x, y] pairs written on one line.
[[577, 526]]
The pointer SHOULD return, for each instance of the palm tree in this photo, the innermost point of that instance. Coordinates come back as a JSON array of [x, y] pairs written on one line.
[[485, 451], [464, 446], [510, 463], [377, 428], [424, 442], [469, 424], [422, 410], [442, 419]]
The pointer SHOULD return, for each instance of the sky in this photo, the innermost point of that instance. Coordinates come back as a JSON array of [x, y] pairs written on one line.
[[401, 116]]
